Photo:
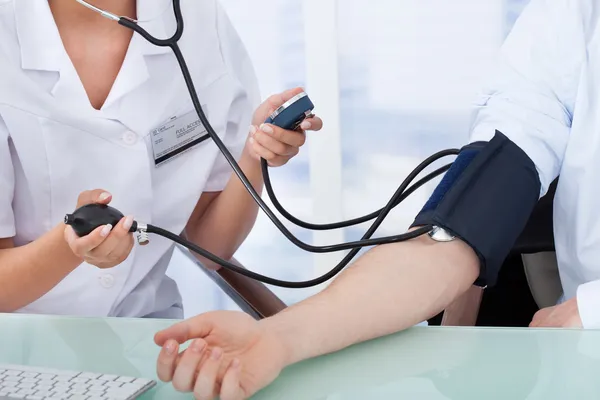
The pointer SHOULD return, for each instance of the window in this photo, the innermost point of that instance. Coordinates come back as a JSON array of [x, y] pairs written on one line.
[[406, 72]]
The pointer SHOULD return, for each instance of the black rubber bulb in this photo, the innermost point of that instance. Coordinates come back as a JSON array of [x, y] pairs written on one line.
[[87, 218]]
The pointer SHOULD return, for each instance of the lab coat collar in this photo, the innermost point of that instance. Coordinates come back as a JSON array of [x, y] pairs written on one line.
[[38, 35], [156, 17], [42, 48]]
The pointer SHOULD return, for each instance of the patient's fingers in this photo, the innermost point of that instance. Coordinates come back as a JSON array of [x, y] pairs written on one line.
[[167, 361], [231, 390], [206, 383], [185, 373]]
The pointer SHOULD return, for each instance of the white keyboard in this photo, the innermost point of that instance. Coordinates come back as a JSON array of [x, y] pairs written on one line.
[[32, 383]]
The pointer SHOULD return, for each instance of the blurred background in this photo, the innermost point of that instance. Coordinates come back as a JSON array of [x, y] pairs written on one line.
[[394, 81]]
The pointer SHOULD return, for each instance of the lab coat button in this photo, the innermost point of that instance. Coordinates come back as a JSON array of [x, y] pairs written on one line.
[[129, 138], [107, 281]]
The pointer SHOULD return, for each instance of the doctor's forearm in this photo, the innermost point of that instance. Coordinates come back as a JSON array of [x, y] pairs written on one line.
[[231, 216], [29, 272], [389, 289]]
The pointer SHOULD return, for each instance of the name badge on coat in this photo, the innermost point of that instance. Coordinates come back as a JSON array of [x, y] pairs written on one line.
[[178, 135]]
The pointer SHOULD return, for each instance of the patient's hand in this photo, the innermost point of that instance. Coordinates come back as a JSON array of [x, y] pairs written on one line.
[[231, 355]]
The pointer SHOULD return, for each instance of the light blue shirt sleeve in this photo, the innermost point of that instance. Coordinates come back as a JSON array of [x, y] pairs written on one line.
[[532, 94], [7, 186]]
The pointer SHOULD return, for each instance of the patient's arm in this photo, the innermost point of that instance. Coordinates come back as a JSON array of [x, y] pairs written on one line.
[[389, 289]]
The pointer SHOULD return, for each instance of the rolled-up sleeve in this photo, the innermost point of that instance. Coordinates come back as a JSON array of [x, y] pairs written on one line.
[[245, 101], [532, 94], [7, 186]]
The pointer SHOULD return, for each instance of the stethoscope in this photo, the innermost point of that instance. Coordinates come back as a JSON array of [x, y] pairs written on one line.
[[87, 218]]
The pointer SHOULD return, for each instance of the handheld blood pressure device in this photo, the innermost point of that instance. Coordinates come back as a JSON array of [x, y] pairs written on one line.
[[495, 173]]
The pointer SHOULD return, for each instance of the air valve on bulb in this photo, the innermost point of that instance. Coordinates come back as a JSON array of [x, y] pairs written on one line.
[[88, 218]]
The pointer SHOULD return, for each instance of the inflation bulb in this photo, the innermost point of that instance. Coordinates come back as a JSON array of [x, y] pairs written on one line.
[[89, 217]]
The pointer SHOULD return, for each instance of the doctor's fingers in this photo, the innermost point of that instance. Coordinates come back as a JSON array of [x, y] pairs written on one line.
[[312, 124], [282, 136], [272, 159], [118, 244], [81, 246], [99, 196], [274, 145]]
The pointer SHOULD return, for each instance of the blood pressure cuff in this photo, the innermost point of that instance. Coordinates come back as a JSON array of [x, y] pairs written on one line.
[[485, 199]]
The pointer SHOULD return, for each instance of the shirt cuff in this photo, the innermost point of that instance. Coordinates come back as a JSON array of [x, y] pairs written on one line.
[[588, 302]]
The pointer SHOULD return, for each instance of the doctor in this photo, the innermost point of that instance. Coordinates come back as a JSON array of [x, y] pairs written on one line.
[[546, 101], [89, 113]]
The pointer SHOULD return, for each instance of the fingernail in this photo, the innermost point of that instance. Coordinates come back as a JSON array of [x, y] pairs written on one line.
[[235, 363], [128, 223], [251, 140], [305, 125], [216, 354], [266, 129], [106, 230], [252, 130], [104, 196], [170, 348], [198, 346]]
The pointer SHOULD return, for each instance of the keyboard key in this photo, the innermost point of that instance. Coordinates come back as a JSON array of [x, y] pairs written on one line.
[[45, 393], [26, 385], [60, 396], [34, 397], [125, 379], [142, 382], [77, 391], [79, 397], [89, 375], [43, 386], [128, 387], [109, 377], [25, 392], [12, 372]]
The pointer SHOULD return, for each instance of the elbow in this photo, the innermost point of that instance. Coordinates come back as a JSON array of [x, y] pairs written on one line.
[[7, 305]]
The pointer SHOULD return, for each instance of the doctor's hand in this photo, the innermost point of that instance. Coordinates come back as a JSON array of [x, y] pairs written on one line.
[[107, 246], [565, 315], [230, 355], [272, 143]]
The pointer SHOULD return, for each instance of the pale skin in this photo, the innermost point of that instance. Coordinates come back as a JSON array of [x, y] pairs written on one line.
[[220, 221], [389, 289]]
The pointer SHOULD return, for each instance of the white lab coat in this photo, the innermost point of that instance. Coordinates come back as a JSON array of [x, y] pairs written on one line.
[[546, 98], [54, 145]]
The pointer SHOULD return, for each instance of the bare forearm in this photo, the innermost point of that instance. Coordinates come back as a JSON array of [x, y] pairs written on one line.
[[29, 272], [391, 288], [230, 217]]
